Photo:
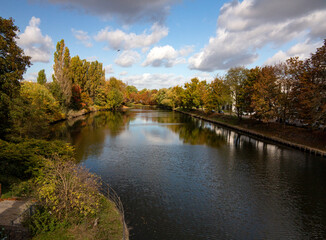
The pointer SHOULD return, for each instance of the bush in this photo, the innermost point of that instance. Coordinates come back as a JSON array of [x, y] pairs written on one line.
[[22, 159], [68, 190], [43, 221]]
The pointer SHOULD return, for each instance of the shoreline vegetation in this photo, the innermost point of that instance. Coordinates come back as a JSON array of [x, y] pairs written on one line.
[[307, 140], [71, 201]]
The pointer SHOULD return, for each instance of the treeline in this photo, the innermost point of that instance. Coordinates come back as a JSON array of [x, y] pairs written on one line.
[[80, 84], [292, 92]]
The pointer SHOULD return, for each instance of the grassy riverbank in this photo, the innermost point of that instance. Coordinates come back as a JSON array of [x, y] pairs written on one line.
[[105, 225], [69, 199], [307, 138]]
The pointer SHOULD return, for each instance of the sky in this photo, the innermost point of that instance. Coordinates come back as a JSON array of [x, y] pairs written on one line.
[[162, 43]]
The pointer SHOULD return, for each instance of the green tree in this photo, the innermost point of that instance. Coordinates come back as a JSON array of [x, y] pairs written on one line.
[[96, 79], [131, 93], [218, 95], [234, 78], [192, 97], [111, 94], [34, 109], [13, 64], [177, 96], [61, 74], [41, 77]]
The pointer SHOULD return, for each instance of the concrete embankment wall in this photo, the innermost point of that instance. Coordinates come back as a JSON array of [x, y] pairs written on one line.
[[259, 135]]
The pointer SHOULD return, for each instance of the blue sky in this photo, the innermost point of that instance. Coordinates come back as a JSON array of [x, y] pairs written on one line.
[[162, 43]]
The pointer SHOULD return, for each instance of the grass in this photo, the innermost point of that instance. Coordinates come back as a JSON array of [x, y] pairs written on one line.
[[19, 189], [107, 224]]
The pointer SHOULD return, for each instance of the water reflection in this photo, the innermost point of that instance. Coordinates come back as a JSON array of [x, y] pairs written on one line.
[[184, 178]]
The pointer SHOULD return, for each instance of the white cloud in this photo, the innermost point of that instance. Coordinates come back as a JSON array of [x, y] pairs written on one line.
[[117, 39], [31, 76], [166, 56], [249, 25], [154, 81], [36, 45], [82, 37], [127, 58], [128, 11], [108, 69], [124, 73], [301, 50], [91, 59]]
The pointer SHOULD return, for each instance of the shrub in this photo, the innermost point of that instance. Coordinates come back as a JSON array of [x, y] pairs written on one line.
[[68, 190]]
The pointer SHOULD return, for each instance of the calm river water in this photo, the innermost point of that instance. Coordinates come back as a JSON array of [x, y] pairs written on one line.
[[183, 178]]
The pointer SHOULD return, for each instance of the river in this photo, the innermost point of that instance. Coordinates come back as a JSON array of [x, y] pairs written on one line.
[[184, 178]]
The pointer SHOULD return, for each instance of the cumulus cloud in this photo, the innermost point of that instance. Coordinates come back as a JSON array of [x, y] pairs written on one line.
[[82, 37], [127, 58], [301, 50], [154, 81], [246, 26], [36, 45], [126, 10], [108, 69], [124, 73], [117, 39], [166, 56]]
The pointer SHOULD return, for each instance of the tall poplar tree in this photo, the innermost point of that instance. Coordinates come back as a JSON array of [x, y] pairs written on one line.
[[61, 76]]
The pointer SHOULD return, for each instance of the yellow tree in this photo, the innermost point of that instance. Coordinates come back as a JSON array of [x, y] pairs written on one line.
[[264, 99]]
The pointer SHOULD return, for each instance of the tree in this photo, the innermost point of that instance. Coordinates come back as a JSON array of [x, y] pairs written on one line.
[[317, 72], [110, 95], [96, 79], [131, 93], [247, 90], [76, 98], [265, 96], [61, 74], [13, 64], [177, 96], [34, 109], [234, 78], [41, 78], [218, 94], [301, 90], [192, 97]]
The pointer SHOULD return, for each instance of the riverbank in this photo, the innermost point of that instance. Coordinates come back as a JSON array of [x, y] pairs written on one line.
[[107, 224], [17, 157], [74, 114], [311, 141]]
